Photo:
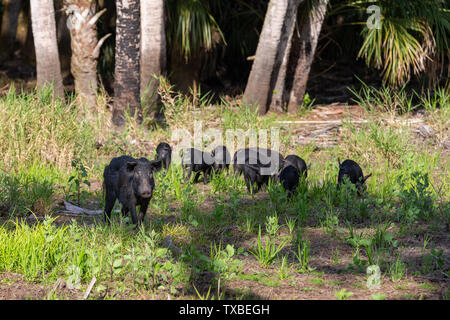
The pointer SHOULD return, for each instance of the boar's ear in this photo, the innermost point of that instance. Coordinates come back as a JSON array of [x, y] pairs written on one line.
[[156, 165], [131, 165], [339, 162], [366, 177]]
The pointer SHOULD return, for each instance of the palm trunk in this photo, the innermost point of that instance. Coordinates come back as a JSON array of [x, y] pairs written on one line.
[[63, 36], [302, 53], [153, 47], [22, 25], [9, 27], [47, 57], [278, 102], [85, 47], [270, 53], [127, 69]]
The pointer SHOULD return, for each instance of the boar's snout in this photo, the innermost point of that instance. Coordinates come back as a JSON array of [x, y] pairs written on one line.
[[145, 194]]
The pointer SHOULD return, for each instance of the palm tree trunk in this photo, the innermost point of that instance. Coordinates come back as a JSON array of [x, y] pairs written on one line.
[[47, 57], [278, 102], [153, 47], [271, 50], [23, 22], [63, 37], [302, 53], [81, 18], [9, 27], [127, 69]]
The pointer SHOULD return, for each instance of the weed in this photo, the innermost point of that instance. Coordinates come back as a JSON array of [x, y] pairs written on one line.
[[283, 271], [342, 294], [397, 270], [303, 256], [267, 253], [378, 296], [222, 261], [290, 223], [77, 179]]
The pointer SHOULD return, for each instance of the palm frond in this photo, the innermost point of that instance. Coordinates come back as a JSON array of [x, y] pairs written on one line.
[[191, 27]]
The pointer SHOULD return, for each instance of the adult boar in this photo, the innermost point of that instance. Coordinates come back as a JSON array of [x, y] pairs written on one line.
[[131, 182]]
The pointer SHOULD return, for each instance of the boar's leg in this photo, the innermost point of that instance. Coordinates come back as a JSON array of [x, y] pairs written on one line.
[[188, 176], [197, 175], [206, 173], [110, 199], [133, 215], [143, 210]]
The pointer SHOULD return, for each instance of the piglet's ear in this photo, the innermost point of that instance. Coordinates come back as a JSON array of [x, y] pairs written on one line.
[[131, 165], [156, 165]]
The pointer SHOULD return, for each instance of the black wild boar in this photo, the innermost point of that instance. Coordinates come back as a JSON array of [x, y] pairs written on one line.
[[258, 165], [252, 176], [222, 158], [353, 171], [194, 160], [164, 153], [269, 161], [131, 181], [298, 163], [289, 178]]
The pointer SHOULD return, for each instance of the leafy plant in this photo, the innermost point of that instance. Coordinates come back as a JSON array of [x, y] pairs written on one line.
[[378, 296], [415, 196], [397, 270], [78, 178], [303, 256], [267, 252], [272, 225], [283, 272], [222, 261], [342, 294]]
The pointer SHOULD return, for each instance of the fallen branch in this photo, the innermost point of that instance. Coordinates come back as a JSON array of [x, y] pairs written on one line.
[[89, 288], [75, 210]]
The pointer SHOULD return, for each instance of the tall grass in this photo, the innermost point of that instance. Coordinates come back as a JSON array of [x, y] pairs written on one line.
[[45, 252], [41, 130]]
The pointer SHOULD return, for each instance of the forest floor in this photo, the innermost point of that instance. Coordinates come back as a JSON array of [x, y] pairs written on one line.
[[413, 257], [202, 241]]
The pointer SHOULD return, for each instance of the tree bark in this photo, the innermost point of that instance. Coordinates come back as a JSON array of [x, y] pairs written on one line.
[[302, 54], [23, 22], [9, 27], [127, 69], [47, 57], [278, 102], [270, 53], [153, 47], [81, 18], [63, 36]]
